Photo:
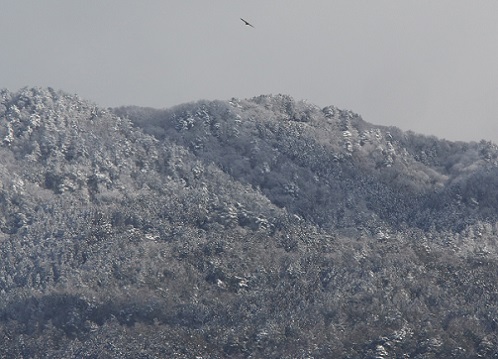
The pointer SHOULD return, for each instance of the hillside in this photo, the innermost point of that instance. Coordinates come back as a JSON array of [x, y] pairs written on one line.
[[265, 227], [331, 167]]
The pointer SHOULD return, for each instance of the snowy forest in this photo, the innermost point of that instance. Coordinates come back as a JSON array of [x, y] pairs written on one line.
[[248, 228]]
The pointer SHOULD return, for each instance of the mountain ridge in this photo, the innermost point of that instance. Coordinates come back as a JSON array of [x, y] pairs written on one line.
[[339, 139], [264, 227]]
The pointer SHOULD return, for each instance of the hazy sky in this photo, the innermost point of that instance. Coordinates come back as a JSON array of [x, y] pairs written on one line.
[[430, 66]]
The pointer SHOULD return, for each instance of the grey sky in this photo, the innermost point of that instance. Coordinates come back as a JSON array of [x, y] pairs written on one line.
[[429, 66]]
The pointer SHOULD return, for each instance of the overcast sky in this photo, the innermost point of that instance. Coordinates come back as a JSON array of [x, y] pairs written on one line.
[[422, 65]]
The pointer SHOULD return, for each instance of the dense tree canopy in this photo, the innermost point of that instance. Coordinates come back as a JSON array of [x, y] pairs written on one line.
[[265, 227]]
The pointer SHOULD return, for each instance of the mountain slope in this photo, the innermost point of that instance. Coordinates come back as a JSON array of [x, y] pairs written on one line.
[[265, 227], [319, 163]]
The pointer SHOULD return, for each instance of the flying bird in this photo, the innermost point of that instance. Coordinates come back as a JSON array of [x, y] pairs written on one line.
[[246, 23]]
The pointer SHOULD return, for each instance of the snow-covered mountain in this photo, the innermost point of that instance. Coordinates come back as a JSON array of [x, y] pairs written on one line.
[[265, 227]]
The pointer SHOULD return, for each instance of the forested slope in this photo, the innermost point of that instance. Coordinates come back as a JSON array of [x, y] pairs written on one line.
[[265, 227], [327, 164]]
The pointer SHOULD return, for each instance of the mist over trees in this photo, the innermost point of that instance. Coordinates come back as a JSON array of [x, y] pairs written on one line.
[[265, 227]]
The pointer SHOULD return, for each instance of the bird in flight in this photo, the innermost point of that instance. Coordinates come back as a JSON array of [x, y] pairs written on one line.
[[246, 23]]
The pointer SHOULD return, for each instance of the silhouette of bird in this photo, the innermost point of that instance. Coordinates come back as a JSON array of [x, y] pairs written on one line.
[[246, 23]]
